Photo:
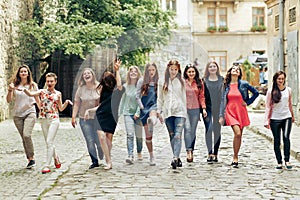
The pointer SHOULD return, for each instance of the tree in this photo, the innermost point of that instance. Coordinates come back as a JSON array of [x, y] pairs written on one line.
[[77, 26]]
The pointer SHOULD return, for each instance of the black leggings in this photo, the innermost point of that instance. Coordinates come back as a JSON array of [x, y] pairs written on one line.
[[276, 126]]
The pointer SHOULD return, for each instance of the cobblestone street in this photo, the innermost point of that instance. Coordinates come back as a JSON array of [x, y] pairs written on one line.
[[256, 177]]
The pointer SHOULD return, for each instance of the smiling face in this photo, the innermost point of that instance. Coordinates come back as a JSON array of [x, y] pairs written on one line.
[[133, 73], [87, 76], [23, 73], [212, 69], [280, 80], [173, 70], [191, 73]]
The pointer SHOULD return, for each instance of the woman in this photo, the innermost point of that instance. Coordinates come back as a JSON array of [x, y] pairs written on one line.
[[51, 104], [146, 99], [233, 109], [131, 112], [213, 83], [171, 104], [195, 100], [86, 97], [110, 90], [279, 116], [24, 109]]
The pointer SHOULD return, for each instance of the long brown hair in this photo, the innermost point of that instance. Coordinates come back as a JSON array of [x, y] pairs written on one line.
[[107, 81], [275, 93], [147, 79], [17, 79], [167, 74], [206, 72], [227, 78]]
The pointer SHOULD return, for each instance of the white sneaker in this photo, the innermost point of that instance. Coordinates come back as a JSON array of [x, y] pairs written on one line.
[[129, 160], [152, 161]]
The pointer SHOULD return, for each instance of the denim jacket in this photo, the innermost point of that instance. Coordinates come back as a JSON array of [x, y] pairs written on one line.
[[244, 88]]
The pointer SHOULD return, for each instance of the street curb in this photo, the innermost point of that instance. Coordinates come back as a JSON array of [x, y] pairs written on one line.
[[295, 154]]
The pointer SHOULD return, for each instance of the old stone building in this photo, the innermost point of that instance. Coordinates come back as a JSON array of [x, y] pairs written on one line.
[[10, 12], [223, 30], [290, 25]]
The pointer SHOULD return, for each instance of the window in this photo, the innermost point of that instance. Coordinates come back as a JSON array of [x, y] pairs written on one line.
[[222, 17], [220, 57], [292, 15], [276, 22], [258, 16], [211, 17], [171, 5]]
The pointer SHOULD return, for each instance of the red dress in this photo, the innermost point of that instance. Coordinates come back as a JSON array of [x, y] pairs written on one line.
[[236, 113]]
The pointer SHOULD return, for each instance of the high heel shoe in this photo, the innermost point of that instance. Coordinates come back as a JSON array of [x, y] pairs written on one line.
[[57, 163]]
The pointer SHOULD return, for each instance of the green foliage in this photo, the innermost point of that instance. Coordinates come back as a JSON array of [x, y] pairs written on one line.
[[247, 66], [259, 28], [211, 29], [137, 27]]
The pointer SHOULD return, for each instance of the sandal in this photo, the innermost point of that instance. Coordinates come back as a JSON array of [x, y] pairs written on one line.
[[235, 164], [279, 166]]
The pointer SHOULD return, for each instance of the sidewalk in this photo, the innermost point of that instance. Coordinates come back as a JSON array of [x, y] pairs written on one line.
[[257, 126]]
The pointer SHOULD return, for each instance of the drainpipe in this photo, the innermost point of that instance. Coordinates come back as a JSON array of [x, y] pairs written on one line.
[[281, 35]]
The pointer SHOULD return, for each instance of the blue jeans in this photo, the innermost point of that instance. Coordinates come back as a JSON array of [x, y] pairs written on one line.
[[193, 116], [212, 126], [89, 131], [175, 126], [133, 127]]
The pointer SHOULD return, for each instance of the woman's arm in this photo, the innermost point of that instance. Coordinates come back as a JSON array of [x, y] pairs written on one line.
[[10, 93], [118, 77], [290, 104], [62, 106], [201, 100], [268, 109], [138, 96], [75, 112], [31, 93], [254, 92]]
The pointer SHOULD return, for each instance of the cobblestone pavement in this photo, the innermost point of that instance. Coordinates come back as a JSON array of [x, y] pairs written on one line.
[[256, 178]]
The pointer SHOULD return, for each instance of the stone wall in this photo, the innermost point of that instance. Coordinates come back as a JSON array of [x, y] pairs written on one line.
[[10, 11]]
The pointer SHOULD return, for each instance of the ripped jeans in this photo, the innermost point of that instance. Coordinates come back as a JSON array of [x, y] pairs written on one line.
[[175, 126]]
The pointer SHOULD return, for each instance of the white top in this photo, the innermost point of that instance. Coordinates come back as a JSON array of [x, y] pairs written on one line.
[[281, 109], [172, 102], [23, 103]]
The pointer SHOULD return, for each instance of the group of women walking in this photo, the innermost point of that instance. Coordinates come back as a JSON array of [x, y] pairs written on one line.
[[177, 100]]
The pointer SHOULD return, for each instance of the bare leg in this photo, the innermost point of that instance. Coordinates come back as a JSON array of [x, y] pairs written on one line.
[[105, 147], [237, 141]]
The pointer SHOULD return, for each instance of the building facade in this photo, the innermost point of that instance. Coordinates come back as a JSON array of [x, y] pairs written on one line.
[[224, 30], [287, 31]]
